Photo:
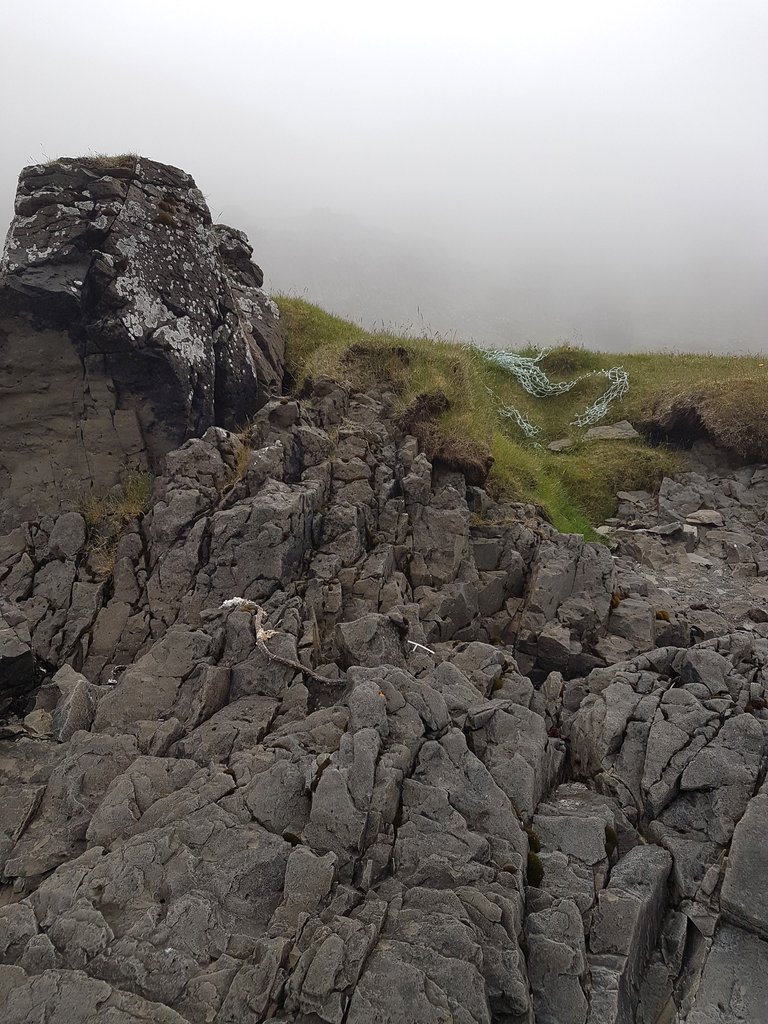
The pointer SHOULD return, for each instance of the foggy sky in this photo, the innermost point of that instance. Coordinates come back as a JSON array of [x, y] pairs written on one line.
[[582, 170]]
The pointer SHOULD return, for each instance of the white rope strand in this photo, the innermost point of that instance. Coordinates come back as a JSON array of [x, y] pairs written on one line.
[[533, 380], [511, 413], [617, 388]]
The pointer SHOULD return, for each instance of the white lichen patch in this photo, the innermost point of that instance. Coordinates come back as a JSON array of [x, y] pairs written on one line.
[[31, 255], [7, 262], [242, 603], [143, 310], [180, 337], [21, 222]]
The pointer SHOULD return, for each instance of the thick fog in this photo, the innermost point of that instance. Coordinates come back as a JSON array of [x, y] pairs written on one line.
[[565, 170]]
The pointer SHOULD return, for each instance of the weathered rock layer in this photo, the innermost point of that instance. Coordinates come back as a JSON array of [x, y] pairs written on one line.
[[342, 739]]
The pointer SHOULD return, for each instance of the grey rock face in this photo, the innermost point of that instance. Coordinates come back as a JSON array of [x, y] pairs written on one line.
[[744, 896], [72, 995], [619, 431], [635, 620], [265, 808], [625, 928], [706, 517], [733, 985], [68, 536], [568, 600], [285, 774], [558, 964]]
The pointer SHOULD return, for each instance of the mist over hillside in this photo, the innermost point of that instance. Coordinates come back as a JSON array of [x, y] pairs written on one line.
[[591, 172], [508, 297]]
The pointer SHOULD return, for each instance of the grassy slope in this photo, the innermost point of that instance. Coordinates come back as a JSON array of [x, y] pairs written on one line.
[[578, 487]]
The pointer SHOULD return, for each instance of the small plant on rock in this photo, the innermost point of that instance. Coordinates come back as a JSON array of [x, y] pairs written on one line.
[[108, 516]]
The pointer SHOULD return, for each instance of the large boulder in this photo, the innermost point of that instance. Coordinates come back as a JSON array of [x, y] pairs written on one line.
[[128, 322]]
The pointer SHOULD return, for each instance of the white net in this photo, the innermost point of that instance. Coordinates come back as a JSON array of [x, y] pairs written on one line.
[[531, 377], [528, 373], [618, 387], [511, 413]]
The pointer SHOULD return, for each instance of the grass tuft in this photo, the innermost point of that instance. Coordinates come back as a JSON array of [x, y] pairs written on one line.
[[107, 517], [106, 161], [98, 161]]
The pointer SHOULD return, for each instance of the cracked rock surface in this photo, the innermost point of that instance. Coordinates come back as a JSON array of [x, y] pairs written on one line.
[[342, 739]]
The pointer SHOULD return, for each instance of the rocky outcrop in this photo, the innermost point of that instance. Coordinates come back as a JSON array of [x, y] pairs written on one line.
[[128, 322], [291, 767], [340, 738]]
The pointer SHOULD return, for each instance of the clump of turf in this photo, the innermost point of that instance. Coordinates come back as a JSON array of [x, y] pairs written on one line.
[[422, 419], [732, 413], [101, 161]]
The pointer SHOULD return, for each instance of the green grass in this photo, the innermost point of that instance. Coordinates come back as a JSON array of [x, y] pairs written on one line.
[[122, 503], [107, 517], [99, 161], [578, 487]]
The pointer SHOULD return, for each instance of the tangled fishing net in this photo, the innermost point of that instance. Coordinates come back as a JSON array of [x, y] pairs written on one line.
[[531, 377]]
